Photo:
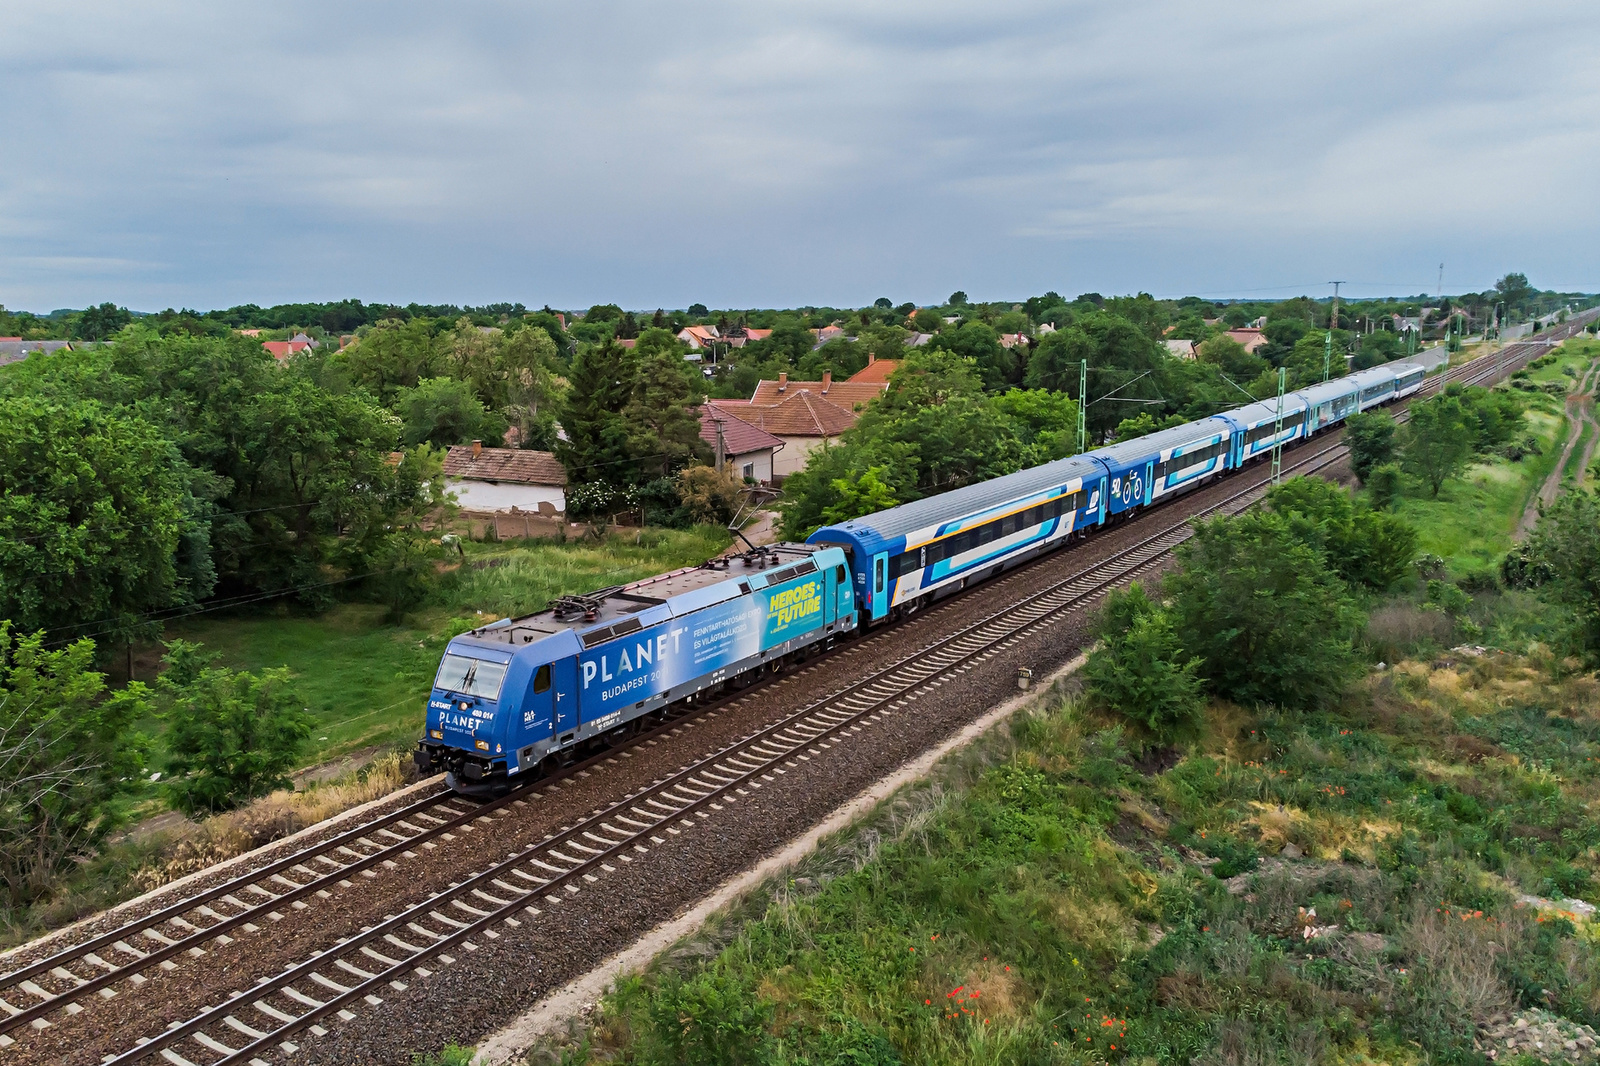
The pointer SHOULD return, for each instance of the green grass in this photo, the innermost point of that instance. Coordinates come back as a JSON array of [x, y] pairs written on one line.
[[365, 681], [1471, 523], [1050, 903]]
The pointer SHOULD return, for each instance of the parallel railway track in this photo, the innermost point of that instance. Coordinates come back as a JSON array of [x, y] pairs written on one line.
[[357, 970]]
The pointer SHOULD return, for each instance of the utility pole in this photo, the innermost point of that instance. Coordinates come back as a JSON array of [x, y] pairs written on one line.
[[1083, 405], [1327, 341], [1277, 429]]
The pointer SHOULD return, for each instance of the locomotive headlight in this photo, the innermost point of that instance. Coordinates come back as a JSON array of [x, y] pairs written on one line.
[[482, 745], [436, 734]]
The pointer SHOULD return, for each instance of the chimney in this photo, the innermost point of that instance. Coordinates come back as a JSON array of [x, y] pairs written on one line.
[[872, 357], [827, 380], [477, 449], [783, 380]]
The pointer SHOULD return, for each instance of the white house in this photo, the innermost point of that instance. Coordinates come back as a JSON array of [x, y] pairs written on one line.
[[499, 479]]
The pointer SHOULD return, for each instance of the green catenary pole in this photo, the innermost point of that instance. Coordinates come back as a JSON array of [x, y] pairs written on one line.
[[1277, 430], [1083, 405]]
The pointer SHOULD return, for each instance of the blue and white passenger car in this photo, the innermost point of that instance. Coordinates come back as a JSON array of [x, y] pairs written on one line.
[[1149, 468], [907, 556]]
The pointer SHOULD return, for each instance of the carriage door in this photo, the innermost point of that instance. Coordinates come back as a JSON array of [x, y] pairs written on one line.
[[565, 693], [878, 591]]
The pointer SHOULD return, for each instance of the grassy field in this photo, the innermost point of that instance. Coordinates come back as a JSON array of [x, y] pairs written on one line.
[[366, 681], [1472, 522], [1049, 902]]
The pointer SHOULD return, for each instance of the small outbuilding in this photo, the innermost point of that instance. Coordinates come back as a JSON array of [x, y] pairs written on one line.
[[503, 479]]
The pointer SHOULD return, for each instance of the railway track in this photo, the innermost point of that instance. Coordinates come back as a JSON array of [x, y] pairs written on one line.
[[358, 970]]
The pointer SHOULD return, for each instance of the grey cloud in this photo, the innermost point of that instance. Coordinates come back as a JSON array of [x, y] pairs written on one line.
[[788, 152]]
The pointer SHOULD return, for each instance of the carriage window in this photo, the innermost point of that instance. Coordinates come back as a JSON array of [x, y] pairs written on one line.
[[541, 679]]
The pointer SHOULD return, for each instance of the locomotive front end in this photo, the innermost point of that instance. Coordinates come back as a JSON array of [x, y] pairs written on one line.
[[467, 716]]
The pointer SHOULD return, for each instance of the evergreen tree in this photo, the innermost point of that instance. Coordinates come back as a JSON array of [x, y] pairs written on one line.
[[662, 413], [596, 448]]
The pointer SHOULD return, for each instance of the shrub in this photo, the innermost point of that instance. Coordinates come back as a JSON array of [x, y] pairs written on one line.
[[1141, 672], [1383, 485], [233, 735], [1370, 437], [68, 750], [1260, 606], [710, 496]]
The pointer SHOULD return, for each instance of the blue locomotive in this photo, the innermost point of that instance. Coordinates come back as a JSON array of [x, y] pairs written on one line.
[[521, 691], [520, 694]]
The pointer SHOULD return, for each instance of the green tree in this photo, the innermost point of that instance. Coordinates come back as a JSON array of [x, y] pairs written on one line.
[[854, 497], [98, 323], [68, 751], [596, 446], [1260, 606], [94, 508], [1514, 290], [1046, 419], [231, 735], [997, 365], [1228, 354], [1565, 546], [1367, 548], [1370, 438], [927, 320], [444, 411], [394, 355], [957, 299], [1140, 671], [662, 413], [1438, 441]]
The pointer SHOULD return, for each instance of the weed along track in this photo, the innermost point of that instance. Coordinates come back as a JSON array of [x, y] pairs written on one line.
[[372, 923]]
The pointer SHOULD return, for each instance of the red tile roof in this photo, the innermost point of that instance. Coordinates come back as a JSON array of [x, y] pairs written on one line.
[[1250, 338], [282, 350], [738, 436], [514, 465], [846, 394], [876, 372], [801, 414]]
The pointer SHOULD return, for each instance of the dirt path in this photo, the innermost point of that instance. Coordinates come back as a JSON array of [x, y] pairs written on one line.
[[1580, 413], [1590, 386]]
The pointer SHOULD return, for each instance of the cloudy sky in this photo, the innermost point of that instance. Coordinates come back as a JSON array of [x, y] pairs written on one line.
[[782, 153]]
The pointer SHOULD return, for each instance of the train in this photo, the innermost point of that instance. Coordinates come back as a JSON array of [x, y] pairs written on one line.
[[514, 699]]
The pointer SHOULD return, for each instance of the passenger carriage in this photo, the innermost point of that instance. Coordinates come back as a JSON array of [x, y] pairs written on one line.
[[907, 556], [1146, 469]]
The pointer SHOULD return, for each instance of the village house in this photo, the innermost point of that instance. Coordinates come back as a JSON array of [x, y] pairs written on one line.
[[1181, 349], [282, 350], [1250, 338], [1013, 340], [504, 479], [742, 450], [876, 372], [804, 415], [698, 336]]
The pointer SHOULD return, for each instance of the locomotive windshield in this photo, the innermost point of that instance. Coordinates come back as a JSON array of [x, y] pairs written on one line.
[[471, 677]]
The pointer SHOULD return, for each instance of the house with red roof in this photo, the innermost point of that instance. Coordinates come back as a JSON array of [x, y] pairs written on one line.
[[743, 450], [876, 372], [804, 415], [505, 479]]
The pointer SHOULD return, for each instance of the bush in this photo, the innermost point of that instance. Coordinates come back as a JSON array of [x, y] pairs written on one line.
[[233, 735], [710, 496], [1260, 606], [1365, 547], [1370, 437], [68, 751], [1141, 672], [1384, 485]]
